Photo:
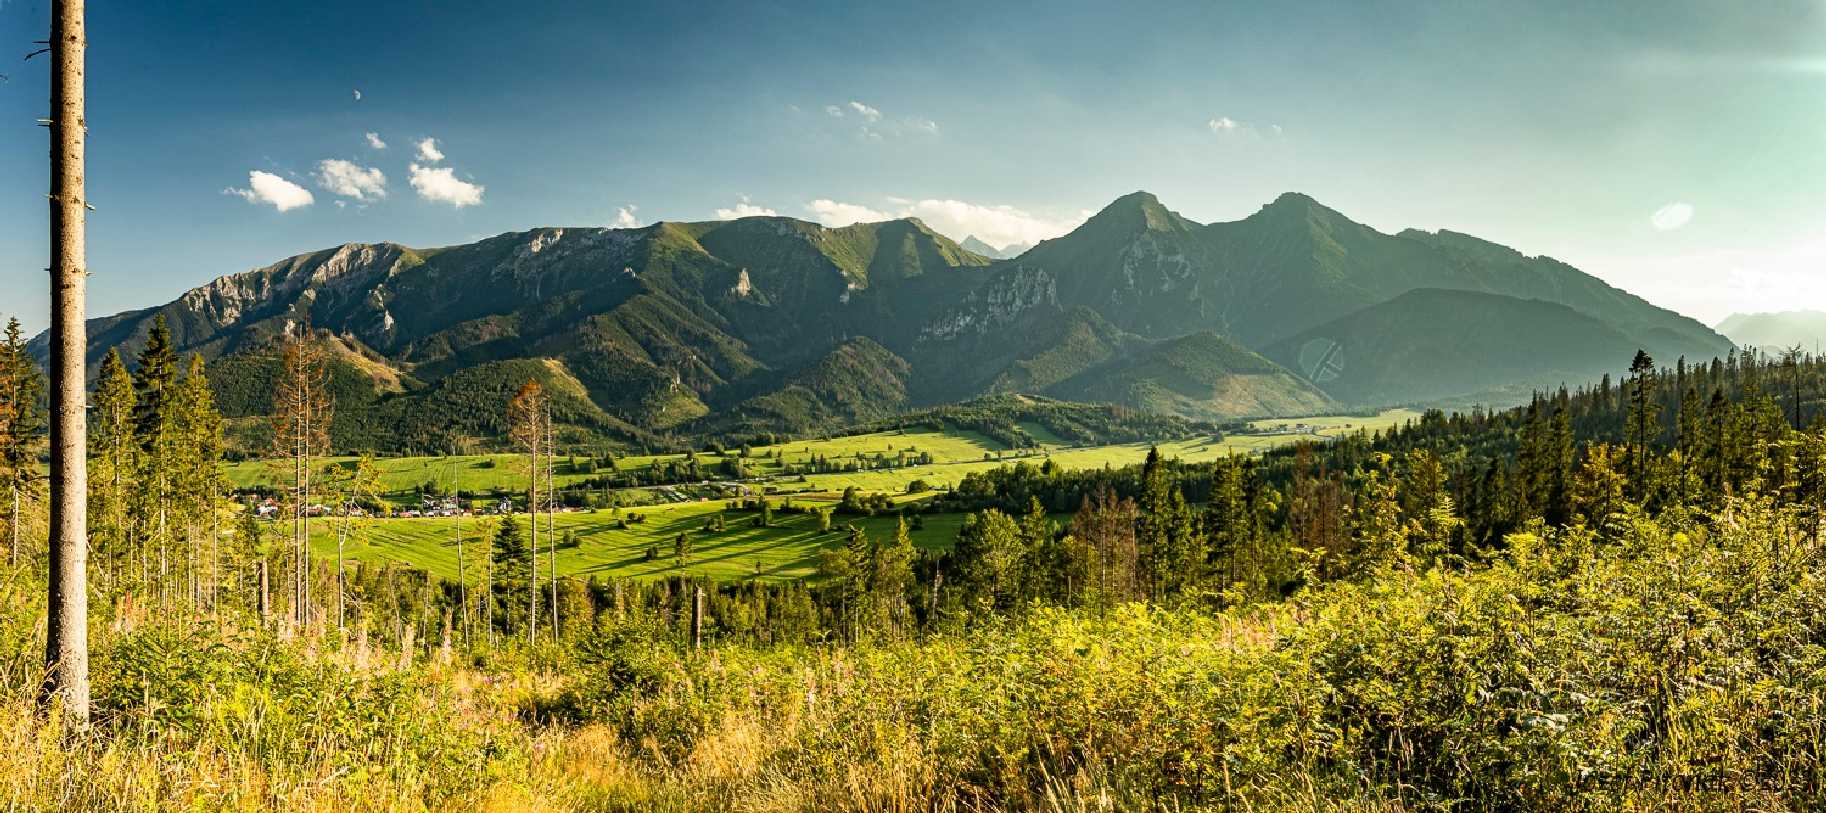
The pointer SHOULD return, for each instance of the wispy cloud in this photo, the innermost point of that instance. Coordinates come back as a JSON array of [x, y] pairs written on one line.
[[428, 151], [1225, 126], [374, 141], [441, 185], [351, 180], [873, 125], [1672, 216], [867, 113], [744, 209], [625, 219], [269, 189]]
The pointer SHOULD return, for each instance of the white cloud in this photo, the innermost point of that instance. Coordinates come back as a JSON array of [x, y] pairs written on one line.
[[833, 213], [867, 113], [428, 151], [744, 209], [374, 141], [995, 225], [441, 185], [625, 219], [265, 187], [358, 95], [351, 180], [1672, 216], [1223, 124], [874, 125]]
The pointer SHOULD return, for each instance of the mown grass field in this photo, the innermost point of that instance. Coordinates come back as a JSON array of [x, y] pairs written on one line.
[[954, 454], [787, 550]]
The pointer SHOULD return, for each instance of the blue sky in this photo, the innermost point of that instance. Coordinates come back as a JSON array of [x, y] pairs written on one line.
[[1673, 148]]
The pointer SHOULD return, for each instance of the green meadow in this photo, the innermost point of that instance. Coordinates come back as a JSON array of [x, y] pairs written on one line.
[[603, 545], [599, 544]]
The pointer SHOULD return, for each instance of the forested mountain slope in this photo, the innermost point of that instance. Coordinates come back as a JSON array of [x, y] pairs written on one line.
[[769, 323]]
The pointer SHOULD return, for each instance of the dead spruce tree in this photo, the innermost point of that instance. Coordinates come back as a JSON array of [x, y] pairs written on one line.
[[526, 417], [302, 408], [67, 630]]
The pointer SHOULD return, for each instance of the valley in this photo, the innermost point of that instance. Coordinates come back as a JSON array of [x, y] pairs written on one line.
[[602, 538]]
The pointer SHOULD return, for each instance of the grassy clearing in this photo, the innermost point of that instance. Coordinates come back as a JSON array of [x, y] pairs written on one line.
[[786, 550]]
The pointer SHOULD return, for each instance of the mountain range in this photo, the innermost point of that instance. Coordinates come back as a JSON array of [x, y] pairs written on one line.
[[1007, 252], [771, 324]]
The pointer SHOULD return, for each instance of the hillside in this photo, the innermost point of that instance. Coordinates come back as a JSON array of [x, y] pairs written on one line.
[[1201, 375], [681, 330], [1431, 343]]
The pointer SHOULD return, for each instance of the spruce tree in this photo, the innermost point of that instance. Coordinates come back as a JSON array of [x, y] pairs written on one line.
[[511, 560], [114, 450], [155, 431], [1644, 415], [197, 453], [22, 424]]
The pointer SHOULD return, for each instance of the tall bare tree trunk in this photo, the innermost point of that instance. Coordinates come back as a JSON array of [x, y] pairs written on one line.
[[532, 505], [462, 580], [67, 628], [551, 516], [342, 535]]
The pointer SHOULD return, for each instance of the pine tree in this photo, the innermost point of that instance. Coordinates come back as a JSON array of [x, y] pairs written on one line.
[[510, 557], [1644, 415], [198, 480], [115, 454], [22, 426], [1106, 529], [890, 577], [155, 431]]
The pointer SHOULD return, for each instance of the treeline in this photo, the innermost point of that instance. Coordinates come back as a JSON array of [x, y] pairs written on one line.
[[1001, 418], [1440, 491]]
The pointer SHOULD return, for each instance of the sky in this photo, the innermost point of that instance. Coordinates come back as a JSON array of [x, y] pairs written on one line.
[[1673, 148]]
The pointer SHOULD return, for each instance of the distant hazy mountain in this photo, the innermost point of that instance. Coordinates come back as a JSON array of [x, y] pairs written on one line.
[[1432, 343], [1296, 264], [1007, 252], [776, 324], [1775, 332]]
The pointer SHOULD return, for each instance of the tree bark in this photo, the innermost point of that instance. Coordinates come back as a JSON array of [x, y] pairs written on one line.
[[67, 628]]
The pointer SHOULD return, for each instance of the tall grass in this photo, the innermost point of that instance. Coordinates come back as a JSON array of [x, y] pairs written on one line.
[[1677, 664]]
